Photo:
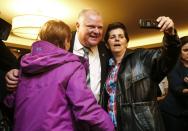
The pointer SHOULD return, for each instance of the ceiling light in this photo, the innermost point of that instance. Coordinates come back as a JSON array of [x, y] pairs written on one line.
[[28, 26]]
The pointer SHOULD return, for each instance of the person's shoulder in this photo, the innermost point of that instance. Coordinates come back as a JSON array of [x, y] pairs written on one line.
[[134, 51], [79, 63], [102, 45], [76, 59], [145, 50], [139, 49]]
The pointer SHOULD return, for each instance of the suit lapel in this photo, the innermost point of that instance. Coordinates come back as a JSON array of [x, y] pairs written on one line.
[[104, 56], [72, 41]]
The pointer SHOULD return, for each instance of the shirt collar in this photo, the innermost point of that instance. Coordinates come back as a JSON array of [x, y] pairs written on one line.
[[78, 46], [112, 62]]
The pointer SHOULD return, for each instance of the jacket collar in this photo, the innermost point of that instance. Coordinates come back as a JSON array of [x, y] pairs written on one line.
[[127, 54]]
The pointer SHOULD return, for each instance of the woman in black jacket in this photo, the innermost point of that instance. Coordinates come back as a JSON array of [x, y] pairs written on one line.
[[130, 91]]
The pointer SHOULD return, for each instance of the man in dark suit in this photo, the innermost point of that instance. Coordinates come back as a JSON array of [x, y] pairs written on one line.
[[7, 61], [89, 30]]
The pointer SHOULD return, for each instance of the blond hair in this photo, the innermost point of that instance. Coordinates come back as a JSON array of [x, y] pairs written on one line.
[[83, 14]]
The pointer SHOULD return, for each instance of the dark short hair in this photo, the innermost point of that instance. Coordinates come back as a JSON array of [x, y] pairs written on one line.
[[116, 25], [184, 40]]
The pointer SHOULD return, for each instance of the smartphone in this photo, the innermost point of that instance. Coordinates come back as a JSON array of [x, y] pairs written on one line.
[[148, 23]]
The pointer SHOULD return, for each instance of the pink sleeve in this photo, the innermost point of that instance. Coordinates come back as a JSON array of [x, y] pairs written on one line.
[[85, 107]]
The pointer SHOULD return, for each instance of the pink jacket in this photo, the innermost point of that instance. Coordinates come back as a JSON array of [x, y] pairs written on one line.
[[52, 93]]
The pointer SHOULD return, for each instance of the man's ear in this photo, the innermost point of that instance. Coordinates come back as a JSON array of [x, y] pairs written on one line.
[[77, 25]]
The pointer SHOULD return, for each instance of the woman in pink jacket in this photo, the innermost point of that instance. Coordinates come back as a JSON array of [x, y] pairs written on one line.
[[52, 94]]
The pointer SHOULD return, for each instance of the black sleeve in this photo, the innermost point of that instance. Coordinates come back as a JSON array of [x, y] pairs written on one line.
[[7, 59]]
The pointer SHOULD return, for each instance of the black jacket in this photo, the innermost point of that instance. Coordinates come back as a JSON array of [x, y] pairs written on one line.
[[138, 78], [7, 61], [176, 102]]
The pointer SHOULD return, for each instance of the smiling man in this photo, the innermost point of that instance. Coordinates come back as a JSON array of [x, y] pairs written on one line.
[[89, 33]]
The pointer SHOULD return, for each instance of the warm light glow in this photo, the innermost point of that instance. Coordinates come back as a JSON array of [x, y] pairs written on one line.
[[61, 9], [145, 41], [28, 26], [153, 40]]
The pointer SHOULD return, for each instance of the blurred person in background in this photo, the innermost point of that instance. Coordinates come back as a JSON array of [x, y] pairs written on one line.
[[7, 61], [175, 107]]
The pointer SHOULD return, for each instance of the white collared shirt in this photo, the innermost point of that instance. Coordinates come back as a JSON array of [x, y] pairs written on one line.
[[94, 66]]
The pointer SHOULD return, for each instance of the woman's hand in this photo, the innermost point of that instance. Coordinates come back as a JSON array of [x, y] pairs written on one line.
[[166, 25]]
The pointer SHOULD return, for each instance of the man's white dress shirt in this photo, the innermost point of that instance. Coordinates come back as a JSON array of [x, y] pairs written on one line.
[[94, 66]]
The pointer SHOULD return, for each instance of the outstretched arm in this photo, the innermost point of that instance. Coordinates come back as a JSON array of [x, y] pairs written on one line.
[[165, 59]]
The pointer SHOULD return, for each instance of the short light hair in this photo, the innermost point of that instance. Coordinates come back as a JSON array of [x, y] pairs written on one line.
[[84, 12], [56, 32]]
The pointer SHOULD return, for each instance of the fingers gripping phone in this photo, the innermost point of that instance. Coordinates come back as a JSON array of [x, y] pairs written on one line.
[[148, 23]]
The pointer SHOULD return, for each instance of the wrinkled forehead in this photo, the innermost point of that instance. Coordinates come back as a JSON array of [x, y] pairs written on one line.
[[91, 18]]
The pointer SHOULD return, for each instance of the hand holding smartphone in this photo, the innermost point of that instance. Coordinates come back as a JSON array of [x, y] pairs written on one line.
[[148, 23]]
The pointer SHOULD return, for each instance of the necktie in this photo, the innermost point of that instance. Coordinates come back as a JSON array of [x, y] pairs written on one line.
[[86, 56]]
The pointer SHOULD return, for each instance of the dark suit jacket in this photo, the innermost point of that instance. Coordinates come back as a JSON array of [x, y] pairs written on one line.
[[103, 55], [7, 61]]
